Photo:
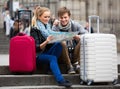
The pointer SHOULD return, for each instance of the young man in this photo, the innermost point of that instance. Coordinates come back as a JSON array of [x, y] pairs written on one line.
[[64, 23]]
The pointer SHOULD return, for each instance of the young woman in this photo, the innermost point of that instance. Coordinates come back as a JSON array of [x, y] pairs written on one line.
[[47, 53]]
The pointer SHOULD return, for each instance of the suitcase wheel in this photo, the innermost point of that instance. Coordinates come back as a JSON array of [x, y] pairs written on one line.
[[115, 82], [89, 82]]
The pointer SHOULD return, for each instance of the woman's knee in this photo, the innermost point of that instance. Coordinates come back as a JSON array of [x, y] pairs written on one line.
[[58, 44]]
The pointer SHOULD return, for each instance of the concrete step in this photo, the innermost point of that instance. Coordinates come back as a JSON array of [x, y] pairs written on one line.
[[43, 80], [4, 42], [61, 87], [4, 70], [4, 46], [35, 80], [4, 52]]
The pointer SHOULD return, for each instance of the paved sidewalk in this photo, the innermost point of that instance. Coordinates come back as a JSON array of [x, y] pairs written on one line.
[[4, 59]]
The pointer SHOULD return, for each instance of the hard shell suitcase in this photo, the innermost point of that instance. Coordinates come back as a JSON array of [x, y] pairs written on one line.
[[98, 57], [22, 56]]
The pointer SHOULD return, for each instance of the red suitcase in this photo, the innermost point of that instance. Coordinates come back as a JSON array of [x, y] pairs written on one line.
[[22, 56]]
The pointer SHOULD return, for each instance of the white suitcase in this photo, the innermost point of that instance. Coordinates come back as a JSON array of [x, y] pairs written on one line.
[[98, 57]]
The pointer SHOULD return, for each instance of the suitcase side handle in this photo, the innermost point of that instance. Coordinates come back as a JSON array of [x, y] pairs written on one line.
[[97, 17]]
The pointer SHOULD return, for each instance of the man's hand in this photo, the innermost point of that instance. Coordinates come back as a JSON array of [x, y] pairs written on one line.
[[56, 22], [76, 37]]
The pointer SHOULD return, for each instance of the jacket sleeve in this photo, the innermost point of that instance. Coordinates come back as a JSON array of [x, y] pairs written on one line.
[[34, 34], [55, 28], [80, 28]]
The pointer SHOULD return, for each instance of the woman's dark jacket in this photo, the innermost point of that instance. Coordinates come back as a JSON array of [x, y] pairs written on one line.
[[39, 38], [36, 34]]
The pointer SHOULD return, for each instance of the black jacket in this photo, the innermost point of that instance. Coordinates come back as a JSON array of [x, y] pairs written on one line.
[[36, 34], [39, 38]]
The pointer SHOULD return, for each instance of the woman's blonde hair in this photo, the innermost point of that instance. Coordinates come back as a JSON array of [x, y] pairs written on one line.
[[41, 10], [34, 18], [38, 7]]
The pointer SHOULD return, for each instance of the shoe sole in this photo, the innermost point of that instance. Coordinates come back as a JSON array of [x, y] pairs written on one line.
[[71, 73]]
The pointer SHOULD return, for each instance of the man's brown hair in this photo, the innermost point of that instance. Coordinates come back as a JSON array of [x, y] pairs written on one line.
[[62, 11]]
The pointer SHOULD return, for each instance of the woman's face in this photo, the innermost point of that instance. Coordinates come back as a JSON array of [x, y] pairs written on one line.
[[64, 20], [45, 17]]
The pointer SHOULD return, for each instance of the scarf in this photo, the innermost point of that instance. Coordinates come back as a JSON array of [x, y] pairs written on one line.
[[44, 28], [67, 28]]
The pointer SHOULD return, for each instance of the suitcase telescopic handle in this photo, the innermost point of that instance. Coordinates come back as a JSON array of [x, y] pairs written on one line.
[[97, 17]]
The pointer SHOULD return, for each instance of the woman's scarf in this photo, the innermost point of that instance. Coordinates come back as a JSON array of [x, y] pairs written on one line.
[[44, 28]]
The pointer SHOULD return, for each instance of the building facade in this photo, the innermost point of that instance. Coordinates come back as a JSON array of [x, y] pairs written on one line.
[[108, 10]]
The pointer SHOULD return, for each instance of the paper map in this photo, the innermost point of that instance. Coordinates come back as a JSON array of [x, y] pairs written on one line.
[[62, 36]]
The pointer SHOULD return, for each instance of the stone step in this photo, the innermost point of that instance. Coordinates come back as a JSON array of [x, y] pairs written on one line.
[[38, 80], [34, 80], [4, 70], [4, 39], [61, 87], [4, 52], [4, 43], [2, 35]]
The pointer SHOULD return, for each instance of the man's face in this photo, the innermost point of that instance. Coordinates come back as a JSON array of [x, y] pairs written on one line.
[[64, 20]]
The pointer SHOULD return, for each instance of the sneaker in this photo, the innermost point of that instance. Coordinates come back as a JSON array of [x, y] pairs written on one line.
[[77, 68], [65, 83], [71, 71]]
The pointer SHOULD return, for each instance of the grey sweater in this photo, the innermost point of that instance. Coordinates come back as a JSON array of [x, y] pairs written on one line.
[[75, 27]]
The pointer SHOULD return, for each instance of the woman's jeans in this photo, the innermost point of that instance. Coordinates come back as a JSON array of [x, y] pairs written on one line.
[[51, 57]]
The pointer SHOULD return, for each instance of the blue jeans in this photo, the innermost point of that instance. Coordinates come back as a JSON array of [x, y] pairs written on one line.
[[51, 57]]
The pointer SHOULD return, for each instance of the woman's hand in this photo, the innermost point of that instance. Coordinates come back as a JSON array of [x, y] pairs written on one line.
[[49, 38]]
